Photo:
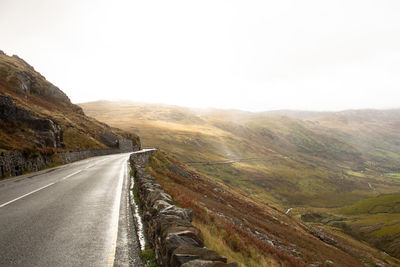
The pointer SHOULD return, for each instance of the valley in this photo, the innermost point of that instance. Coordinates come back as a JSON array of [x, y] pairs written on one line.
[[317, 164]]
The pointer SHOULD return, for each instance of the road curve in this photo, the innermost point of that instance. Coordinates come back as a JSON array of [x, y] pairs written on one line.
[[73, 215]]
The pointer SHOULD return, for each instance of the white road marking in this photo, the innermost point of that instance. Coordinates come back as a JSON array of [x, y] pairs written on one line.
[[34, 191], [72, 174], [115, 216]]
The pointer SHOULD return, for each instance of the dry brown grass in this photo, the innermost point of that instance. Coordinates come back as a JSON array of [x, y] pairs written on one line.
[[230, 219]]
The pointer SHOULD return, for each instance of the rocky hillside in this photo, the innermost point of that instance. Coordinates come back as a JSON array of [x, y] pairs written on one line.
[[37, 117]]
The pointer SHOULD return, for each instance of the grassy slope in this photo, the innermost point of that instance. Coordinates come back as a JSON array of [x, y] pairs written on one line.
[[376, 220], [306, 163], [250, 232], [79, 130]]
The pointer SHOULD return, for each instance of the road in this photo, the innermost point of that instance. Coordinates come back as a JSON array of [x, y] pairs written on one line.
[[74, 215]]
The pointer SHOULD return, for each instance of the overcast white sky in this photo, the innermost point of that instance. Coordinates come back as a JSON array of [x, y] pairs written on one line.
[[252, 55]]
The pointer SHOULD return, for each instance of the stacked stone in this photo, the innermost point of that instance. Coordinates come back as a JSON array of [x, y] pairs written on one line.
[[169, 229], [15, 163]]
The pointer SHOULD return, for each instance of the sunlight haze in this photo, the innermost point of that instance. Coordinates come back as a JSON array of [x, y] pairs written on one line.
[[251, 55]]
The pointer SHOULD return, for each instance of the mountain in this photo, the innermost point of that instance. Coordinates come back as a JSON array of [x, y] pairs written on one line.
[[309, 164], [35, 115]]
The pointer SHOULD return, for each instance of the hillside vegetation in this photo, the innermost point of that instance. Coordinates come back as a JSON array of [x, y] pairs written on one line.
[[308, 162], [37, 117], [376, 220], [254, 233]]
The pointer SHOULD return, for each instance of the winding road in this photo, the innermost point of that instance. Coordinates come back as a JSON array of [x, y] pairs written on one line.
[[73, 215]]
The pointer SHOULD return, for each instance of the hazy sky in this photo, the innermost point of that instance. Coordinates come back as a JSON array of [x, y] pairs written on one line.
[[253, 55]]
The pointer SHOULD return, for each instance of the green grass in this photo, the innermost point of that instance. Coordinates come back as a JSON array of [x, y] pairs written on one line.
[[387, 203], [148, 257], [375, 220], [389, 229], [393, 175], [354, 173]]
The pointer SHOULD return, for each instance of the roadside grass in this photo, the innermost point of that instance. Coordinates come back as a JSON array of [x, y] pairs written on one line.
[[148, 257], [228, 245], [213, 241]]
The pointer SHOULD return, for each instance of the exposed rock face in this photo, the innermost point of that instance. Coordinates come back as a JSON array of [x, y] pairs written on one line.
[[48, 132], [24, 81], [10, 112], [31, 82], [169, 230], [125, 145], [109, 139]]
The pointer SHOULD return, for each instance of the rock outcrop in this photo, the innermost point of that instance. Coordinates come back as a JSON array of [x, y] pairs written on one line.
[[28, 81], [169, 230], [48, 133]]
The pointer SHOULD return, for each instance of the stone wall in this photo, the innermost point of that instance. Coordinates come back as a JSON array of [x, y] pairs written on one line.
[[125, 145], [176, 242], [16, 163]]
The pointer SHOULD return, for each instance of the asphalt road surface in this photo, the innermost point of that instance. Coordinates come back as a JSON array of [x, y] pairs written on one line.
[[74, 215]]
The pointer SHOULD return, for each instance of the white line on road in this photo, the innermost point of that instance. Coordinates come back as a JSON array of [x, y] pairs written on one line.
[[11, 201], [72, 174], [115, 216], [34, 191]]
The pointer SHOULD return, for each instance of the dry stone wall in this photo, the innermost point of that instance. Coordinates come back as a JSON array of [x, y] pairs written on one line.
[[169, 230], [15, 163]]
